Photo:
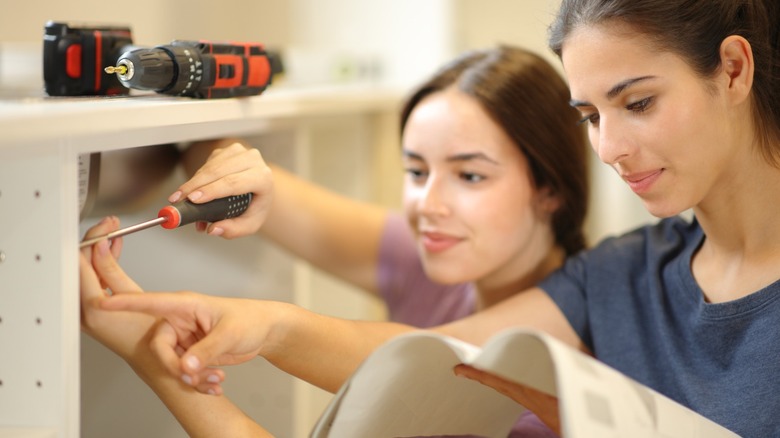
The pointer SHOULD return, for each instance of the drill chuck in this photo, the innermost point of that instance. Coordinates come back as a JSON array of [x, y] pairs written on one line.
[[169, 70]]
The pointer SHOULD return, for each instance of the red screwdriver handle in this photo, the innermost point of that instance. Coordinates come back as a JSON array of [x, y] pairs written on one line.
[[185, 212]]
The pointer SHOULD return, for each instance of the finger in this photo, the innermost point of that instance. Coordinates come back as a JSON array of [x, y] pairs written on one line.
[[91, 291], [164, 345], [105, 226], [109, 271], [89, 282], [201, 226], [198, 152], [211, 381], [223, 163], [206, 351], [483, 377], [253, 218], [156, 304], [116, 247], [247, 173], [469, 372]]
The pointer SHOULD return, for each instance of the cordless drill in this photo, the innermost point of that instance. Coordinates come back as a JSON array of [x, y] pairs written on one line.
[[199, 69]]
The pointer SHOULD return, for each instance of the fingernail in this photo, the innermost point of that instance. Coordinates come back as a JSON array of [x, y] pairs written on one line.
[[175, 197], [194, 196], [186, 379], [217, 231], [212, 378], [211, 391], [192, 363]]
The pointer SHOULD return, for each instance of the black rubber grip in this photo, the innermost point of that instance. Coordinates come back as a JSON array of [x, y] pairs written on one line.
[[186, 212]]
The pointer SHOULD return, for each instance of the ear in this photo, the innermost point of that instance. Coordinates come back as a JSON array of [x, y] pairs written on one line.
[[548, 201], [737, 65]]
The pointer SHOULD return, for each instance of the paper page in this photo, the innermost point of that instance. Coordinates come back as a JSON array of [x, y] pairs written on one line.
[[520, 355], [596, 400], [407, 388]]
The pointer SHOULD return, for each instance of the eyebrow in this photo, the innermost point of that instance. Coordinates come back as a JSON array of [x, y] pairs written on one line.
[[614, 91], [457, 157]]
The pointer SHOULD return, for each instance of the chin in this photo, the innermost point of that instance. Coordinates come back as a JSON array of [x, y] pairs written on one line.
[[446, 275], [663, 210]]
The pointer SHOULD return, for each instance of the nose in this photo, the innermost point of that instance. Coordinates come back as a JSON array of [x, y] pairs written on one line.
[[609, 143], [432, 198]]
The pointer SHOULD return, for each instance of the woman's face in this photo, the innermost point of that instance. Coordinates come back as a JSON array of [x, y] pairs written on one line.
[[650, 117], [468, 194]]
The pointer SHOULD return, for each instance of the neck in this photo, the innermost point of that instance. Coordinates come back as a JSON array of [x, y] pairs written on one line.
[[490, 292], [740, 253]]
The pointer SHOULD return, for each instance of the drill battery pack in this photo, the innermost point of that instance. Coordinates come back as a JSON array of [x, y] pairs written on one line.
[[74, 56]]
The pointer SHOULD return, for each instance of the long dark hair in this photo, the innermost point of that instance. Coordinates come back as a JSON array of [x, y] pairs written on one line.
[[694, 30], [527, 97]]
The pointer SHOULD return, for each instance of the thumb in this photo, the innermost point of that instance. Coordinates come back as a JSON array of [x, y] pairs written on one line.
[[209, 350], [198, 360]]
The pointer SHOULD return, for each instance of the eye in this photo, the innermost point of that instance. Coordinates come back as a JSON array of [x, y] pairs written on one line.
[[416, 174], [640, 106], [592, 119], [471, 177]]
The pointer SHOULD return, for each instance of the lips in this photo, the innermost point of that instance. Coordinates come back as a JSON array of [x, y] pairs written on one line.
[[641, 182], [435, 242]]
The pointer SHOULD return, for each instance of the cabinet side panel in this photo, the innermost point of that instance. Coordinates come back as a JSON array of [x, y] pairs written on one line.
[[31, 285]]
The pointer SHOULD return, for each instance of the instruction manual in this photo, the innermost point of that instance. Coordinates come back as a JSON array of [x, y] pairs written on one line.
[[407, 388]]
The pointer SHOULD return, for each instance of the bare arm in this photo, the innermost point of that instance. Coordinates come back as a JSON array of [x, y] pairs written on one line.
[[201, 415], [320, 349], [128, 334], [334, 233], [532, 308]]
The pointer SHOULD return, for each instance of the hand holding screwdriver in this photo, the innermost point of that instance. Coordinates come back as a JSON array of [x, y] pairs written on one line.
[[225, 167], [183, 213]]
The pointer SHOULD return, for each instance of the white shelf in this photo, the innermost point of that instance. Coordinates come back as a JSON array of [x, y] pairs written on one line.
[[40, 142], [105, 123]]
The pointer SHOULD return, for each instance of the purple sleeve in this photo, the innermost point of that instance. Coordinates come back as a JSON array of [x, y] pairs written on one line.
[[411, 297]]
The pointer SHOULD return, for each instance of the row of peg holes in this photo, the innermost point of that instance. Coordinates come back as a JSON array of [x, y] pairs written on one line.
[[37, 193], [38, 320], [38, 383], [37, 256]]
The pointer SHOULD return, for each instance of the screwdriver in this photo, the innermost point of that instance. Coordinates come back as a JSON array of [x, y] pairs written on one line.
[[185, 212]]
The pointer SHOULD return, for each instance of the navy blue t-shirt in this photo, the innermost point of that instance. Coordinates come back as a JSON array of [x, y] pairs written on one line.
[[635, 303]]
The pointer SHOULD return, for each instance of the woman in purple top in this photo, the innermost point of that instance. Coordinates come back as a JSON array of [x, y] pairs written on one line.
[[495, 196]]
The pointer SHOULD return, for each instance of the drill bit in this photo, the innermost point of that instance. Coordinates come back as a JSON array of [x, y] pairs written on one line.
[[119, 69]]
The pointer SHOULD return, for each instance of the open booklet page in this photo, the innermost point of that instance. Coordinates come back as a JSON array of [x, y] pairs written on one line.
[[407, 388]]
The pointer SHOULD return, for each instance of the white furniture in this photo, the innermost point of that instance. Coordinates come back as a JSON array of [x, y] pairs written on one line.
[[41, 140]]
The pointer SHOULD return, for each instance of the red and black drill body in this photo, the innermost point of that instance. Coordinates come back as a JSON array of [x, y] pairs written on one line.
[[199, 69], [74, 56]]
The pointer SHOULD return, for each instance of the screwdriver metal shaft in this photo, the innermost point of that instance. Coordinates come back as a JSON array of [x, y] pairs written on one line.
[[123, 231]]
